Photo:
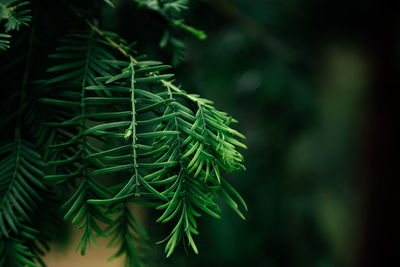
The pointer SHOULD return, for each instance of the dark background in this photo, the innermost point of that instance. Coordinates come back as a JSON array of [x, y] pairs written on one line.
[[312, 84]]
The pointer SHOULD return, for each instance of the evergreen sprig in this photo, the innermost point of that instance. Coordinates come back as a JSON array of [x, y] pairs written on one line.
[[13, 15], [112, 114], [172, 11], [4, 41], [20, 249], [16, 13], [84, 58], [189, 147], [20, 180], [21, 190], [125, 230]]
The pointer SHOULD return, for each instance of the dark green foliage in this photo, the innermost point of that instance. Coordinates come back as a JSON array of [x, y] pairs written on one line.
[[20, 249], [101, 113], [21, 191], [110, 3], [175, 45], [21, 178], [4, 41], [82, 57], [171, 10], [13, 15], [16, 13], [125, 230]]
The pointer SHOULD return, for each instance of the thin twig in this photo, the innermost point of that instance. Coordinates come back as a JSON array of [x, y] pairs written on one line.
[[126, 53]]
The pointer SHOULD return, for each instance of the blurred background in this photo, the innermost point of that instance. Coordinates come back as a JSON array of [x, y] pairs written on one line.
[[310, 83]]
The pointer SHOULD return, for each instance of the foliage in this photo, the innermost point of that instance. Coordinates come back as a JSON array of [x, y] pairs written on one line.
[[171, 10], [15, 13], [4, 41], [102, 112]]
